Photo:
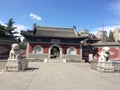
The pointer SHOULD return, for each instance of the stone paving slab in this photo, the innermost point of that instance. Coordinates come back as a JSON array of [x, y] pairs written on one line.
[[2, 64], [59, 76]]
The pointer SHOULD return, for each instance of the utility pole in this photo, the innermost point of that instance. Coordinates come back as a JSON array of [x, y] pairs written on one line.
[[103, 26]]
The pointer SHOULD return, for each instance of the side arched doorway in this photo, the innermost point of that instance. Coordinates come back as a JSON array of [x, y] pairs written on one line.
[[55, 51]]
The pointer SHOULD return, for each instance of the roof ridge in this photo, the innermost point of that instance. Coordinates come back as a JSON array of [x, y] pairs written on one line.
[[48, 27]]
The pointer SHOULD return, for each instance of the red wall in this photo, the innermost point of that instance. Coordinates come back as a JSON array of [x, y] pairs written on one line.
[[114, 51], [47, 46], [5, 53], [7, 47]]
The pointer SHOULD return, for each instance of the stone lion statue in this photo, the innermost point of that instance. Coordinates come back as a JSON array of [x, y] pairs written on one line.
[[104, 62], [15, 61], [15, 52], [105, 54]]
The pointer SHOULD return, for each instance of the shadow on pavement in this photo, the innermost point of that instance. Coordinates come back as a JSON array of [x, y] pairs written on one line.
[[31, 69]]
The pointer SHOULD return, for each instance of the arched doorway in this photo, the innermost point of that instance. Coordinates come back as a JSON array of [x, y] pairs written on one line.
[[55, 52]]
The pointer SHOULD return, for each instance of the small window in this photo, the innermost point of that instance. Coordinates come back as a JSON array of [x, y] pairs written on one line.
[[37, 49], [71, 51]]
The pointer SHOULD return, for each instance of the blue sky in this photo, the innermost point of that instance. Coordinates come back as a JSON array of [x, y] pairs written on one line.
[[84, 14]]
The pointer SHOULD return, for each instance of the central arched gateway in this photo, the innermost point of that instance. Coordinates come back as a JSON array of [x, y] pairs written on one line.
[[55, 51]]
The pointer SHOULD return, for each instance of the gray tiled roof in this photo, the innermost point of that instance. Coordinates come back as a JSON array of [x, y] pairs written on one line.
[[107, 44], [55, 32]]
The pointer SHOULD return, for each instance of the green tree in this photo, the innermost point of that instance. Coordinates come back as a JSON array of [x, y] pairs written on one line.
[[10, 29], [18, 40], [2, 31], [110, 38], [25, 41], [34, 25]]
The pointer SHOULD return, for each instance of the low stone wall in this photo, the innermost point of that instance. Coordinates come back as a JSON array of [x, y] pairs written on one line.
[[66, 56], [37, 56], [74, 58], [112, 66]]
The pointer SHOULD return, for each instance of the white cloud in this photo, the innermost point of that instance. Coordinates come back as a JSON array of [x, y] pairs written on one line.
[[19, 28], [35, 17], [115, 7], [93, 32], [106, 28], [2, 23]]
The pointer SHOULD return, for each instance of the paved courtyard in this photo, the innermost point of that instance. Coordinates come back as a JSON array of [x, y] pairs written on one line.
[[59, 76]]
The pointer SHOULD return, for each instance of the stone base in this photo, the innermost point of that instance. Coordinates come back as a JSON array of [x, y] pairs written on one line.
[[16, 65], [45, 60], [64, 60], [55, 60], [105, 66], [24, 64]]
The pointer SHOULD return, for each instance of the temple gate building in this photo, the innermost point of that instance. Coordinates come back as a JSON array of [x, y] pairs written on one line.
[[54, 42]]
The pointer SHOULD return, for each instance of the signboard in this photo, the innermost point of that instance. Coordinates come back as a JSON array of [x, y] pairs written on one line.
[[55, 41]]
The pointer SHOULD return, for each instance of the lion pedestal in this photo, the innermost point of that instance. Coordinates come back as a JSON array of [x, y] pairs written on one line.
[[104, 64], [15, 61]]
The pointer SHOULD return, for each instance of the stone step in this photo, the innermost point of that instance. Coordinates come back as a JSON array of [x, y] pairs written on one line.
[[54, 61]]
